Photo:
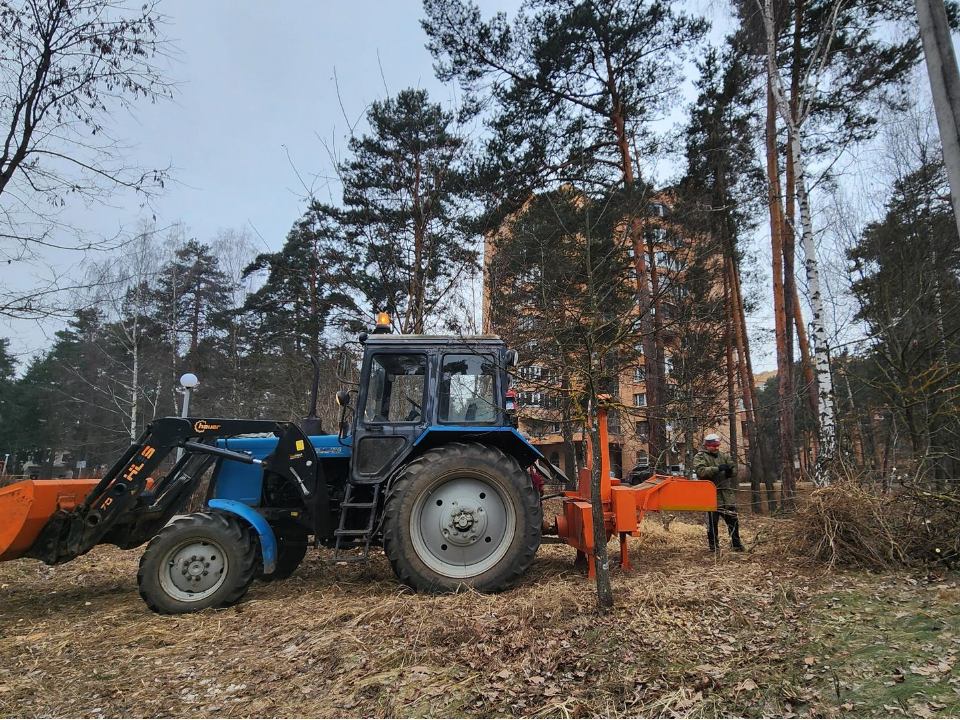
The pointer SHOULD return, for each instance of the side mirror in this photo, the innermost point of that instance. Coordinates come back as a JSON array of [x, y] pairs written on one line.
[[512, 358], [343, 400]]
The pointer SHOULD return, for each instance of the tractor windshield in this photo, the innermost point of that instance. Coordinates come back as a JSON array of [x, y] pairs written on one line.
[[395, 392], [467, 389]]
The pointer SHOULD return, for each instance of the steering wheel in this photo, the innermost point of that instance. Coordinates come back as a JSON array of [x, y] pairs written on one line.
[[417, 411]]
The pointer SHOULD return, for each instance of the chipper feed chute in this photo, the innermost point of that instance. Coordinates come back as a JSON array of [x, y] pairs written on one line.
[[25, 508]]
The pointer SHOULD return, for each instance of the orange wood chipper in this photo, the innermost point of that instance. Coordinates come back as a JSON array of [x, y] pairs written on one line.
[[623, 505]]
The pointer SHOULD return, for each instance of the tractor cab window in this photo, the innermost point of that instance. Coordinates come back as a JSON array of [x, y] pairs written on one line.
[[467, 389], [395, 392]]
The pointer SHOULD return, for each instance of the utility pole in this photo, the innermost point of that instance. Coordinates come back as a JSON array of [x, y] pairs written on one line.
[[945, 84]]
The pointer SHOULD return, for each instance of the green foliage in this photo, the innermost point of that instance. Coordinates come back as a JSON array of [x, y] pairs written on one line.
[[566, 78], [410, 236], [906, 268], [303, 287], [871, 48]]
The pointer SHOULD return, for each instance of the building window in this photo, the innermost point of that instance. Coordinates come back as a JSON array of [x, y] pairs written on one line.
[[639, 399], [639, 374], [533, 372], [530, 399], [643, 458], [667, 364], [643, 428], [613, 422], [555, 459]]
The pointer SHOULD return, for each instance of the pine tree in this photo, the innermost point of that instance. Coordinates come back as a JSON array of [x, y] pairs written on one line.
[[830, 65], [193, 291], [722, 179], [574, 84], [305, 285], [907, 265], [407, 210]]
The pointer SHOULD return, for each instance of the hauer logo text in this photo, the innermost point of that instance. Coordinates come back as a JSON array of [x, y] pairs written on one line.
[[202, 426]]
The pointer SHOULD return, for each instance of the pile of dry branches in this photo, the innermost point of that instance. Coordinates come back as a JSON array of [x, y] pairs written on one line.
[[855, 525]]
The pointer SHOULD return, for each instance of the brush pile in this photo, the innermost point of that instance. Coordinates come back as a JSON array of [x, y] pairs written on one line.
[[853, 525]]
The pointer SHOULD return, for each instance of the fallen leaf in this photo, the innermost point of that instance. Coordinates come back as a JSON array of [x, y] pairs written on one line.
[[748, 685], [810, 660]]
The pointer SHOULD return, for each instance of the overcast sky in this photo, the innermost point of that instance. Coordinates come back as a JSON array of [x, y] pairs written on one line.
[[257, 91], [255, 81]]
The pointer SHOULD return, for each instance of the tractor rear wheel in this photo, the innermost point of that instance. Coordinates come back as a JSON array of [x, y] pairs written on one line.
[[198, 561], [462, 516]]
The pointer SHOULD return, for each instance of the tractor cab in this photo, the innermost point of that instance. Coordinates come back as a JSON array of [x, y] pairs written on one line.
[[413, 387]]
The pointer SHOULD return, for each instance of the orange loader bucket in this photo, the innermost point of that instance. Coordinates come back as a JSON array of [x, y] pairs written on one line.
[[25, 507]]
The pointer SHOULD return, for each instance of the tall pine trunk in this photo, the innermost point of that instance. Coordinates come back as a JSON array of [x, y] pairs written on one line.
[[651, 340], [747, 389], [784, 375], [731, 382], [826, 407]]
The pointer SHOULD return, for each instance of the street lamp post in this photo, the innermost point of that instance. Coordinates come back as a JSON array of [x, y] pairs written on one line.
[[188, 381]]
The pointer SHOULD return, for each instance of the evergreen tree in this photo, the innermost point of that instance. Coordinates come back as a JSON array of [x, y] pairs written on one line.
[[193, 293], [907, 268], [305, 285], [574, 85], [411, 236]]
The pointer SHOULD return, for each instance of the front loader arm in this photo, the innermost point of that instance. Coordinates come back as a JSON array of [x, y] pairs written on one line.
[[127, 507]]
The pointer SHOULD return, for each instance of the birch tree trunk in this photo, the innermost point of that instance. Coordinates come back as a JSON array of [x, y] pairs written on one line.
[[826, 408], [135, 380]]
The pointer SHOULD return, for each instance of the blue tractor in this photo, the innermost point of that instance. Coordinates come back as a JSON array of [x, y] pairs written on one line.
[[427, 464]]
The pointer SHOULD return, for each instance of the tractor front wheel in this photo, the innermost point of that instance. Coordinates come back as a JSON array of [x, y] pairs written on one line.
[[462, 516], [292, 541], [198, 561]]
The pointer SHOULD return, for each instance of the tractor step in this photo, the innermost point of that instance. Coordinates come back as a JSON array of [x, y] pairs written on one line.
[[362, 511], [357, 532]]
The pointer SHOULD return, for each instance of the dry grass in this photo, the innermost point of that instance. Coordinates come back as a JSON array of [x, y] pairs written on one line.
[[692, 635]]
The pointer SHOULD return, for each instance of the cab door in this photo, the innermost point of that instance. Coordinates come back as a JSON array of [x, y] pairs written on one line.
[[391, 413]]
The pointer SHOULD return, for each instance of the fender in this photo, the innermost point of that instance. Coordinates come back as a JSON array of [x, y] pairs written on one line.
[[268, 541], [506, 439]]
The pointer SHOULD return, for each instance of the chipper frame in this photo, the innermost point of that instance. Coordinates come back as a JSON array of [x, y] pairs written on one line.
[[623, 505]]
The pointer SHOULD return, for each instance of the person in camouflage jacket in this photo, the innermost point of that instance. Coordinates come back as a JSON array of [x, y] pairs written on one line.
[[721, 470]]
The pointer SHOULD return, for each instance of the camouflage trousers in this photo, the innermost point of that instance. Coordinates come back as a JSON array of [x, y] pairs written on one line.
[[726, 509]]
